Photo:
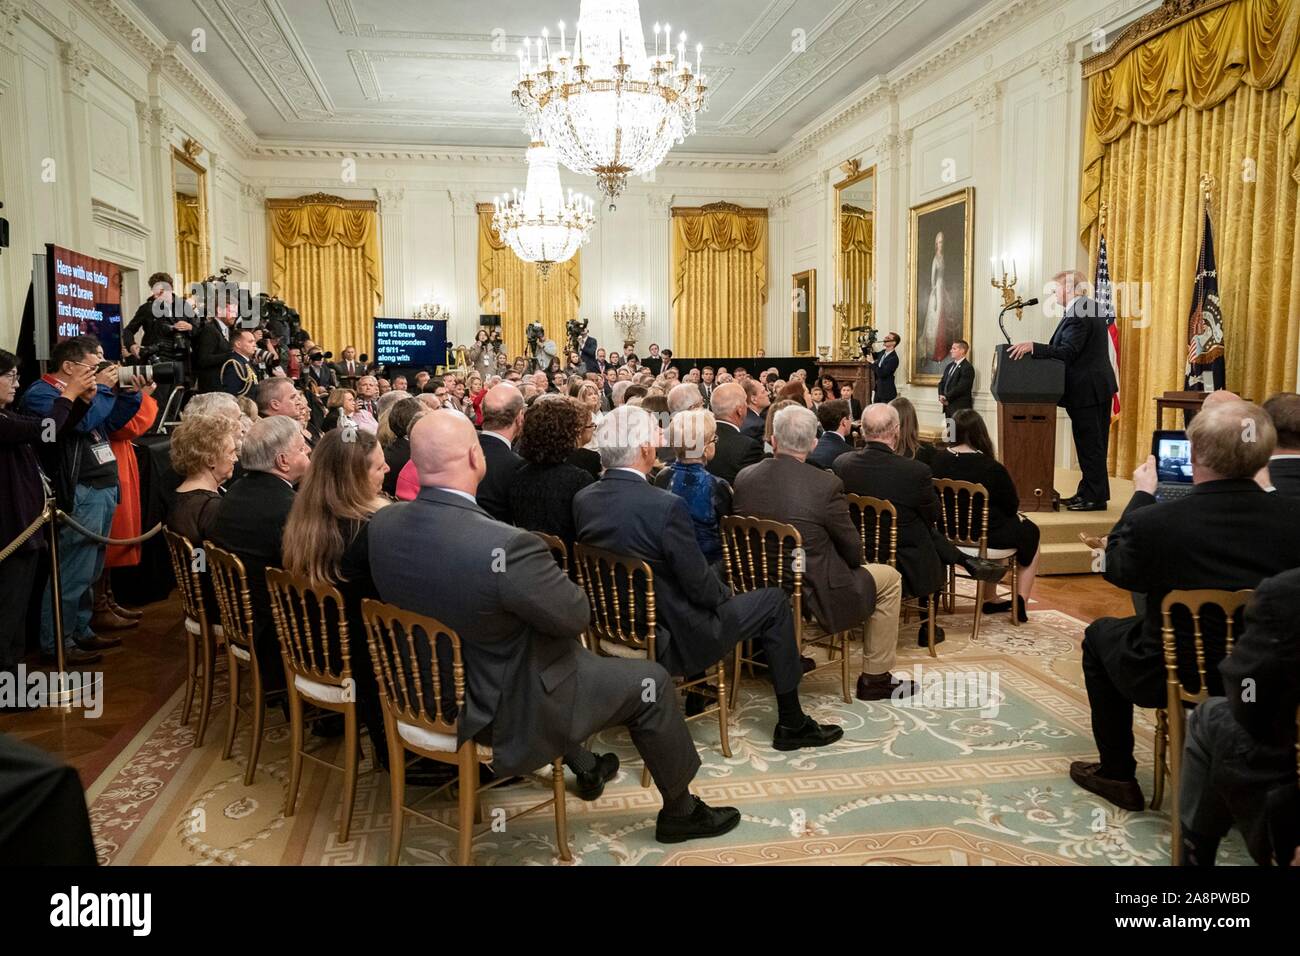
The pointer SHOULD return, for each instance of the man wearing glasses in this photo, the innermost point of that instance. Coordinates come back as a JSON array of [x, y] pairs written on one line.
[[886, 362], [83, 469]]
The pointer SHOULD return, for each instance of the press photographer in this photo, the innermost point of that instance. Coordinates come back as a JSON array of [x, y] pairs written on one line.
[[543, 349], [584, 344], [163, 353]]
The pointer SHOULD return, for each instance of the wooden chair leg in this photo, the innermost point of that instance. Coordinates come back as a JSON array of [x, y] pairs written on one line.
[[735, 679], [932, 603], [723, 711], [1161, 742], [1015, 593], [561, 811], [205, 702], [845, 676], [468, 786], [397, 795], [259, 720], [351, 747], [952, 589], [296, 746], [1177, 725], [232, 708], [979, 612], [191, 662]]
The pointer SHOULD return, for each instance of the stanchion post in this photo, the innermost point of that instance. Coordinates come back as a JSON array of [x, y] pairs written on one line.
[[56, 605]]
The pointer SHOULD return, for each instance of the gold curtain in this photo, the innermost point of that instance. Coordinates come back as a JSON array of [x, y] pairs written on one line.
[[856, 226], [516, 291], [189, 239], [326, 263], [719, 280], [1215, 94]]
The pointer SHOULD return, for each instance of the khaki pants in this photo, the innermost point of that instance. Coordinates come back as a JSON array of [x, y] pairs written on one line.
[[881, 645]]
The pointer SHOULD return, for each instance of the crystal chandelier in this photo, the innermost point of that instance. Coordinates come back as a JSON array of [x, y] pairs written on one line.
[[540, 225], [605, 106]]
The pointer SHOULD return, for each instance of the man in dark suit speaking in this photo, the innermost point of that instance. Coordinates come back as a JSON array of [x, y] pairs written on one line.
[[1080, 342], [533, 691]]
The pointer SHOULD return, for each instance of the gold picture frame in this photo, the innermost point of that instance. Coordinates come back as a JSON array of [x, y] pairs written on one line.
[[803, 312], [936, 299]]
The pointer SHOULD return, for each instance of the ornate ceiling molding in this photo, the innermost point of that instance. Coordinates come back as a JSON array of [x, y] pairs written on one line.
[[75, 57], [11, 13], [172, 62]]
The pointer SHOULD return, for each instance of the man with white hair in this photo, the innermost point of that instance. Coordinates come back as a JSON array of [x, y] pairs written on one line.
[[252, 516], [699, 621], [211, 403], [534, 692], [838, 590], [684, 397], [735, 450]]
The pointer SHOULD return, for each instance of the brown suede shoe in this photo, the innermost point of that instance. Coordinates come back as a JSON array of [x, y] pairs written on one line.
[[884, 687], [1125, 794], [106, 620]]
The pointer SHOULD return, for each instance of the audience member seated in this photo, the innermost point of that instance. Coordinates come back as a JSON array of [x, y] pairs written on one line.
[[534, 693], [767, 422], [972, 459], [1284, 466], [909, 433], [503, 420], [250, 522], [735, 450], [833, 416], [699, 622], [342, 406], [367, 413], [692, 436], [394, 437], [1242, 747], [326, 544], [1228, 533], [203, 452], [541, 494], [839, 591], [757, 401]]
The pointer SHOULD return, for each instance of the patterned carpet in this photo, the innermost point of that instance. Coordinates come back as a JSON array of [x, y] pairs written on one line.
[[973, 774]]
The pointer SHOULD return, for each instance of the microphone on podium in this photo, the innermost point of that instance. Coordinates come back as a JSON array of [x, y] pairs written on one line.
[[1017, 305]]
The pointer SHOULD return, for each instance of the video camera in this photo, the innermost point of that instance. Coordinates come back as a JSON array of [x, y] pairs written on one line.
[[534, 332], [577, 331]]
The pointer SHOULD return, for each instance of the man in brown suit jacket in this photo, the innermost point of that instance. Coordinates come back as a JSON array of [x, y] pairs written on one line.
[[839, 591]]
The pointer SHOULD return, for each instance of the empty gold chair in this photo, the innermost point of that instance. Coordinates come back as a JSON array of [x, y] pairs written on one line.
[[420, 717], [1171, 720], [313, 629], [964, 520], [759, 553], [880, 546], [201, 635], [621, 590], [230, 584]]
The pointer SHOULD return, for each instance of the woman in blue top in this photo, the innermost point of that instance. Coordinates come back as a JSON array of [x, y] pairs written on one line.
[[693, 436]]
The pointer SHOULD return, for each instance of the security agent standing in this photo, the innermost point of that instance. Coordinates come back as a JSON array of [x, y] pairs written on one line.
[[238, 376]]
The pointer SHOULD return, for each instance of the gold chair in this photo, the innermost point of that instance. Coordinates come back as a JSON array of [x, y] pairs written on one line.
[[201, 636], [425, 723], [621, 590], [877, 549], [964, 520], [760, 553], [1171, 720], [557, 548], [319, 669], [230, 584]]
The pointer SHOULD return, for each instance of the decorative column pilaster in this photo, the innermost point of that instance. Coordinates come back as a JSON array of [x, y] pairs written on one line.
[[392, 233], [466, 309], [657, 288], [73, 173]]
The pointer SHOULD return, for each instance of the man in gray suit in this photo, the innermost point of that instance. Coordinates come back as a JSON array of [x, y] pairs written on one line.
[[839, 591], [532, 690]]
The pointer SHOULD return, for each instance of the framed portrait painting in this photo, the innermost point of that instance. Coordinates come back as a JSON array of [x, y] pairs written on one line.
[[939, 281], [803, 311]]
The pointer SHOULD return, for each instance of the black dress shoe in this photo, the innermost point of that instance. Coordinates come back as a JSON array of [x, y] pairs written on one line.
[[1070, 500], [700, 824], [985, 569], [885, 687], [592, 783], [73, 655], [808, 664], [1086, 506], [1125, 794], [1002, 607], [96, 642], [808, 734], [923, 635]]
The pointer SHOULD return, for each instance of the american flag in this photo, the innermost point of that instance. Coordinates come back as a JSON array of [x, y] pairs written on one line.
[[1205, 369], [1107, 307]]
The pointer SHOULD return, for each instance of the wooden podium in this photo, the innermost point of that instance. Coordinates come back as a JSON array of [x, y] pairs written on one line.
[[1027, 392], [860, 374]]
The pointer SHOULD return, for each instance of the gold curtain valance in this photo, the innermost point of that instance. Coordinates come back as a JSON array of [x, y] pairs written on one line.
[[1197, 63], [327, 261], [855, 230], [516, 291]]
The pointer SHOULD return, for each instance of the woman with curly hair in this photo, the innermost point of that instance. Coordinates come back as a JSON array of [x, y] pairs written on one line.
[[541, 494], [203, 452]]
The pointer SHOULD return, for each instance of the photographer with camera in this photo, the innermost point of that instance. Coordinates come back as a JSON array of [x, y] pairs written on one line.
[[543, 349], [83, 470], [584, 344], [212, 345], [319, 375], [166, 322], [487, 352]]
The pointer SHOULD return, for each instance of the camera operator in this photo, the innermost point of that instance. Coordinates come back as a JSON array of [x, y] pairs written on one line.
[[584, 344], [319, 375], [165, 321], [543, 348]]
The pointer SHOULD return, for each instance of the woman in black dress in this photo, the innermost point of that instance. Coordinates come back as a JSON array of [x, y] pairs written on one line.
[[395, 436], [971, 458], [541, 494]]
